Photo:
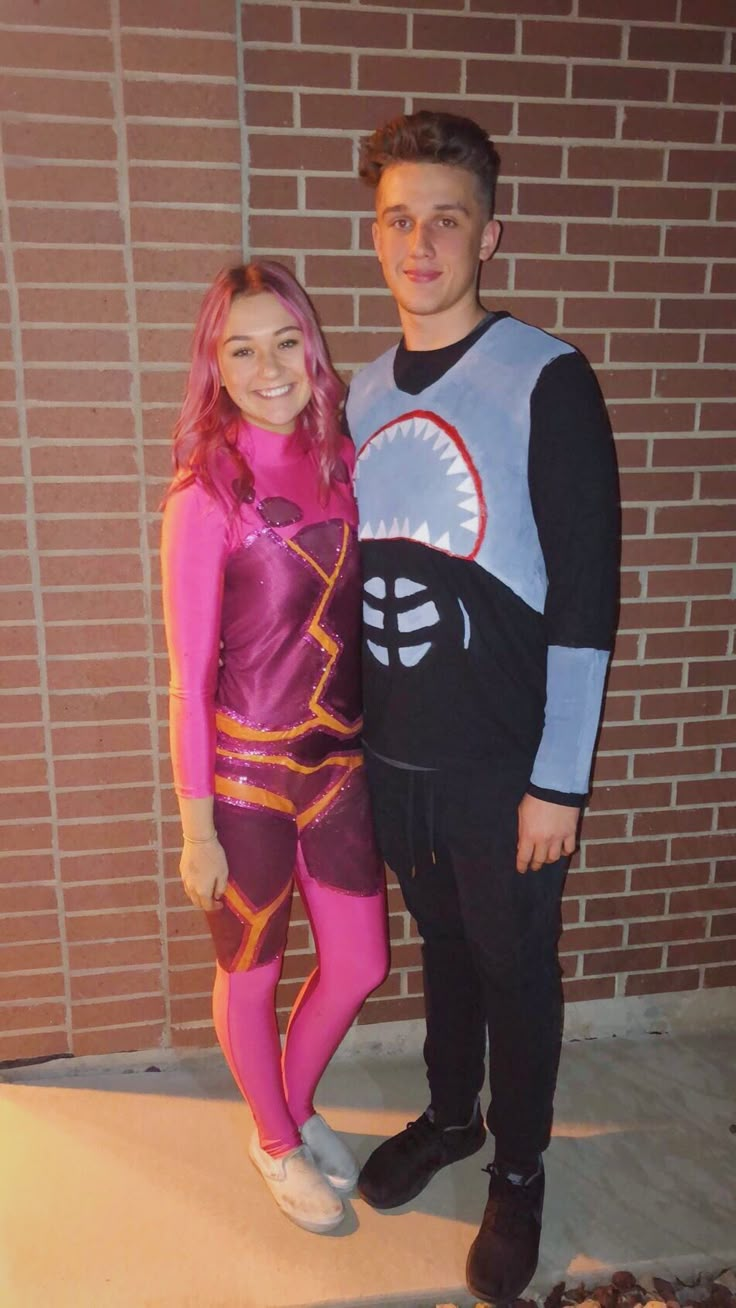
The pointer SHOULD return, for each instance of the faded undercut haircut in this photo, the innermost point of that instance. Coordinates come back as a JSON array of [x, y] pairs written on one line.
[[438, 138]]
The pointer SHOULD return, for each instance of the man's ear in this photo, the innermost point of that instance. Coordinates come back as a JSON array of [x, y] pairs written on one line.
[[489, 240]]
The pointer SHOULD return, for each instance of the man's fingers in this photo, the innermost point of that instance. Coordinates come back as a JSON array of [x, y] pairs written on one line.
[[554, 851], [539, 857], [524, 852], [568, 845]]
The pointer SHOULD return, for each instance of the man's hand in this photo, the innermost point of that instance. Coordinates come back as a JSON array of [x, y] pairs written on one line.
[[546, 832]]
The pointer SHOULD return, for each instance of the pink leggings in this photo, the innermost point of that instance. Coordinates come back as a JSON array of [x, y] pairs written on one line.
[[352, 959]]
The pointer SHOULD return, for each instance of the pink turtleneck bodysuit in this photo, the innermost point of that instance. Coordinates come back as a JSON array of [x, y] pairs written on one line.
[[269, 725]]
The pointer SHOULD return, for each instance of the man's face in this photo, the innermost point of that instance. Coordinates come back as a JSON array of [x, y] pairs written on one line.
[[431, 231]]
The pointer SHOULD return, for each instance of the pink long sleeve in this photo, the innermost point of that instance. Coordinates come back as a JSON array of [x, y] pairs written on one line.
[[194, 550]]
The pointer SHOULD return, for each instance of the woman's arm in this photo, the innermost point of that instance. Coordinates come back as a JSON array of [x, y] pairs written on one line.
[[193, 556]]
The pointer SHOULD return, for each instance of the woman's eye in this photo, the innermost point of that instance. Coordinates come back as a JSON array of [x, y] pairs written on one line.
[[288, 344]]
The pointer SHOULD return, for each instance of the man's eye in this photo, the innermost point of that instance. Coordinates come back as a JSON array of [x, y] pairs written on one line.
[[447, 222]]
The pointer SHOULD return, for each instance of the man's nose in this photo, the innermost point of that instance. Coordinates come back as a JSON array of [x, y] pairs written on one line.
[[421, 244]]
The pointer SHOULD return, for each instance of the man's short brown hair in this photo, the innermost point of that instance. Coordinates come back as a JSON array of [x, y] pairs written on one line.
[[427, 137]]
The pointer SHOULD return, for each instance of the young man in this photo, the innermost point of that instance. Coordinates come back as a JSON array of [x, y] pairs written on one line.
[[487, 489]]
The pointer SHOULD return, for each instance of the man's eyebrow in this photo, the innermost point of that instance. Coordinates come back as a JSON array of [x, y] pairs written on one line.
[[437, 208], [293, 327]]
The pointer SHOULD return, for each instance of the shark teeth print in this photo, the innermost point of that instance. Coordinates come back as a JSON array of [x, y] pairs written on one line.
[[416, 481]]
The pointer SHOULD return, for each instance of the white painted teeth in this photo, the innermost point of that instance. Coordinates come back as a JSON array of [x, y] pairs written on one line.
[[443, 541], [422, 534], [457, 466], [366, 532], [471, 525]]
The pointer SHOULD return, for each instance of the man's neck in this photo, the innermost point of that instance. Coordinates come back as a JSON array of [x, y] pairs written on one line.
[[434, 331]]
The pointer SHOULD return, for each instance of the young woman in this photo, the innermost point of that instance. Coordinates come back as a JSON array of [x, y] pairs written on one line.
[[260, 557]]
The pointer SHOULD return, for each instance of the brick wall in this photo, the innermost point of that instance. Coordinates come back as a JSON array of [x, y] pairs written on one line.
[[143, 143]]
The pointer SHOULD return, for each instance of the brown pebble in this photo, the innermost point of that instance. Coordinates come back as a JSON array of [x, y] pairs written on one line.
[[623, 1280]]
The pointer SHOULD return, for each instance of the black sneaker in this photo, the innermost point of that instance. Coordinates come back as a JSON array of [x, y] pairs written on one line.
[[503, 1256], [399, 1169]]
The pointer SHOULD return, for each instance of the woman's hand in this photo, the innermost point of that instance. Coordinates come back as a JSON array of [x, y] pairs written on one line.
[[203, 869]]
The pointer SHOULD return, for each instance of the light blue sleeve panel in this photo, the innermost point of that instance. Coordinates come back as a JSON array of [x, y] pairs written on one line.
[[575, 681]]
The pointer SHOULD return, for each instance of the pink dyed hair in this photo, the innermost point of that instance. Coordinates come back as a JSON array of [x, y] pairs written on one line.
[[208, 423]]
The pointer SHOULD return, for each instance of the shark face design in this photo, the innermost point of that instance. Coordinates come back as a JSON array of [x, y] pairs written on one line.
[[431, 494], [416, 481]]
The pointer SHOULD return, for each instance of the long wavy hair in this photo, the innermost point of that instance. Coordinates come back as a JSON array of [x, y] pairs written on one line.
[[205, 433]]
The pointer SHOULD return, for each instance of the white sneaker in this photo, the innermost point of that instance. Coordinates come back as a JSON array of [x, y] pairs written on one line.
[[299, 1188], [335, 1161]]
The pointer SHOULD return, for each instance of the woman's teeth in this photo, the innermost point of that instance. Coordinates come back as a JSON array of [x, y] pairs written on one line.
[[275, 392]]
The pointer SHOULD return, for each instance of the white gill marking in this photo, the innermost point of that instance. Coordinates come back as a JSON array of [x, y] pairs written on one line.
[[424, 615], [376, 587], [379, 652], [466, 624], [372, 617], [410, 655], [405, 587]]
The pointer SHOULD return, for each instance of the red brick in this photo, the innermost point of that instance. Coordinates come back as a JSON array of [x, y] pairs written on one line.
[[695, 242], [653, 11], [547, 8], [673, 45], [114, 1012], [356, 112], [206, 101], [695, 453], [666, 822], [702, 166], [683, 763], [666, 201], [690, 381], [705, 951], [193, 56], [623, 960], [567, 120], [624, 853], [407, 73], [308, 233], [686, 644], [716, 417], [579, 990], [669, 124], [565, 198], [215, 143], [624, 907], [723, 924], [623, 798], [700, 518], [612, 239], [662, 983], [514, 77], [393, 1010], [73, 53], [701, 87], [689, 581], [718, 13], [618, 82], [653, 933], [354, 29], [572, 40], [591, 312], [638, 735], [710, 732], [216, 16], [560, 274], [705, 899], [611, 161], [665, 876], [666, 277], [716, 549], [92, 185], [338, 271], [299, 152], [719, 976], [271, 23]]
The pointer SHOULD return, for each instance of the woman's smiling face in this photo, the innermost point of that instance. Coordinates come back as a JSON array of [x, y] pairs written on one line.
[[262, 362]]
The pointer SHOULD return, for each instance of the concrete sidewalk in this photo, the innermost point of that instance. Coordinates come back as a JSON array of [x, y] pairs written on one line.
[[132, 1188]]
